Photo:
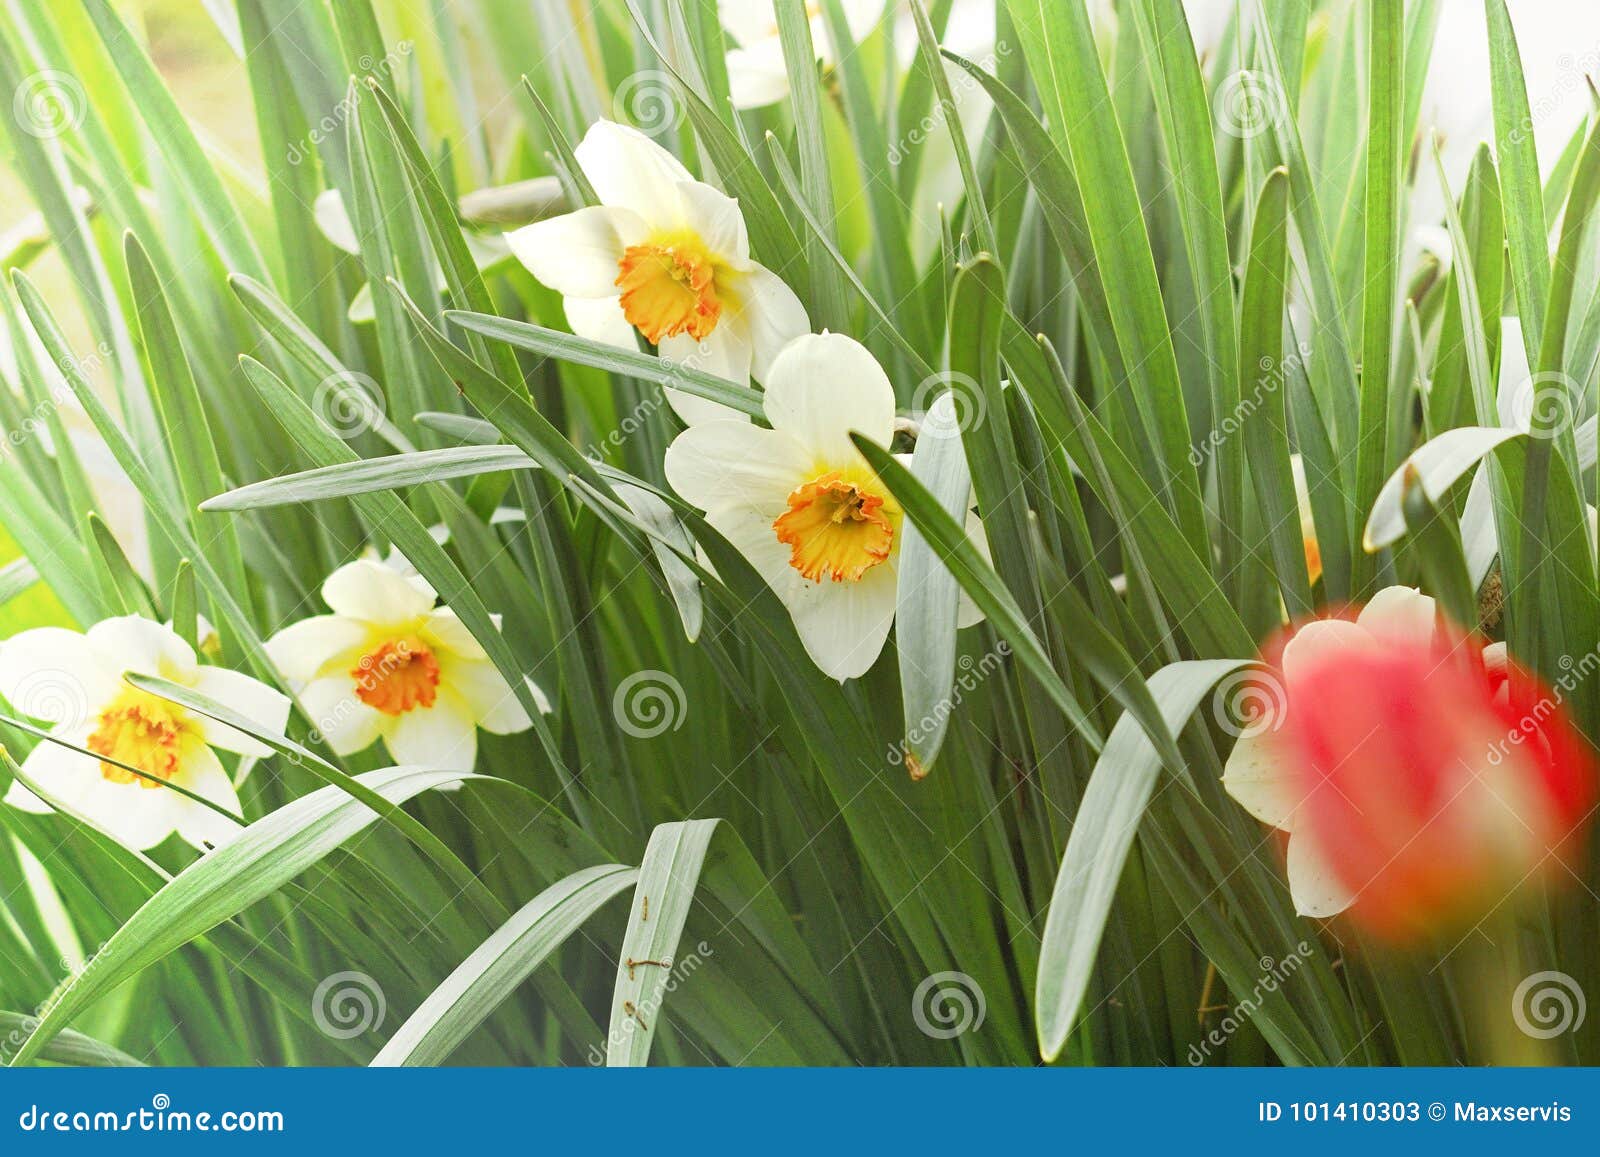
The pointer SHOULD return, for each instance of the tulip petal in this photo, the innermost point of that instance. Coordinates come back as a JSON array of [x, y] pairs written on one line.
[[1400, 614], [1261, 781], [821, 387], [1317, 891], [1314, 641]]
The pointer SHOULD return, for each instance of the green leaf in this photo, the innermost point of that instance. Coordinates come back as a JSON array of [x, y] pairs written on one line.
[[483, 981], [1102, 835]]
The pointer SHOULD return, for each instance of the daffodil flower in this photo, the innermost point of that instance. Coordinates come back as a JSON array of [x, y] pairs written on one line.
[[756, 72], [802, 505], [389, 664], [74, 682], [666, 256]]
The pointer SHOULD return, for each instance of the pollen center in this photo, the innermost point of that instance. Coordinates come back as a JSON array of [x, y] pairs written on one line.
[[143, 732], [398, 676], [669, 288], [835, 528]]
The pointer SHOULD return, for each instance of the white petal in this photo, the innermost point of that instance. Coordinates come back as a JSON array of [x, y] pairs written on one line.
[[715, 218], [756, 74], [53, 674], [488, 698], [132, 643], [337, 713], [302, 650], [60, 772], [967, 612], [1316, 639], [443, 736], [329, 213], [443, 630], [197, 824], [821, 387], [748, 21], [369, 591], [725, 352], [1496, 659], [248, 697], [733, 463], [1401, 614], [843, 625], [771, 313], [631, 171], [1317, 892], [136, 817], [1260, 781], [577, 254], [600, 319]]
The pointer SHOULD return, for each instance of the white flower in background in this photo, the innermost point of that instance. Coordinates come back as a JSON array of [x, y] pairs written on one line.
[[1258, 776], [665, 255], [756, 75], [389, 664], [802, 505], [74, 682]]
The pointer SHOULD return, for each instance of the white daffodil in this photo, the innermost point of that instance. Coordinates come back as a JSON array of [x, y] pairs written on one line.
[[756, 73], [667, 256], [74, 682], [1260, 778], [802, 505], [389, 664]]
